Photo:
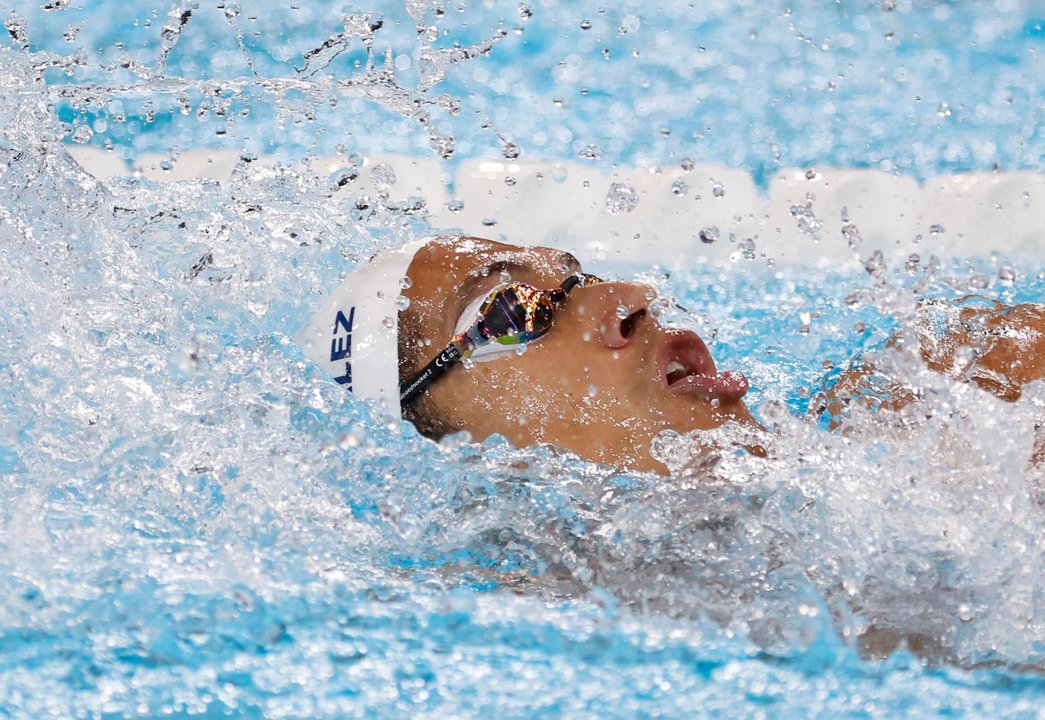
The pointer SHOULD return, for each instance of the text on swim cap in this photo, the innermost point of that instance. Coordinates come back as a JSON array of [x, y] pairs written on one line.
[[341, 345]]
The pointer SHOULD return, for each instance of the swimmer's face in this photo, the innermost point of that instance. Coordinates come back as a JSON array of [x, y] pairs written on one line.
[[603, 382]]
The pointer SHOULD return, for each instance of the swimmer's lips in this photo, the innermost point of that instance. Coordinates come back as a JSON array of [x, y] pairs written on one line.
[[686, 367]]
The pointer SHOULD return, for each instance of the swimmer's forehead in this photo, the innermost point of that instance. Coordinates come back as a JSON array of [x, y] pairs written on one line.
[[469, 256]]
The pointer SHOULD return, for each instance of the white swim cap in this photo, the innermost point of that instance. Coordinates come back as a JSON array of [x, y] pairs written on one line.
[[355, 335]]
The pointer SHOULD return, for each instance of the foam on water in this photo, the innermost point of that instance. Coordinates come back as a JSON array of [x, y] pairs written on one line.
[[196, 520]]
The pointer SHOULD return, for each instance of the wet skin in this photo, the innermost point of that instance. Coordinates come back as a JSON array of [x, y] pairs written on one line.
[[598, 384]]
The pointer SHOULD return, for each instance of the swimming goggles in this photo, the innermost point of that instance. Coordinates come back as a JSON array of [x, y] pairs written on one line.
[[510, 315]]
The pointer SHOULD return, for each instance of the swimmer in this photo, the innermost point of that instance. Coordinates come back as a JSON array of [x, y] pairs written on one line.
[[519, 342]]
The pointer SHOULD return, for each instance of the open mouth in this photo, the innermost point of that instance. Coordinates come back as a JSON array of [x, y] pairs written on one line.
[[688, 369]]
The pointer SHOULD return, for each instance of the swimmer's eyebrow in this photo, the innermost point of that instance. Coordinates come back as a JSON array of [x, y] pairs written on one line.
[[570, 261], [478, 274]]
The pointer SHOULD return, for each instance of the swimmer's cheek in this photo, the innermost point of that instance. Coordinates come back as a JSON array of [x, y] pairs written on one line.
[[1015, 352]]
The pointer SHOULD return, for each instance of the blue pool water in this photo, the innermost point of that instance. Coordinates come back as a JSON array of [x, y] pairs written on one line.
[[197, 523]]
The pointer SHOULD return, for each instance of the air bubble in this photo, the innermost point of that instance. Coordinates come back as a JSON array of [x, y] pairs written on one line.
[[1007, 275], [943, 110], [622, 312], [389, 323], [402, 302], [585, 25], [525, 11], [511, 151], [509, 181], [679, 188], [521, 348], [812, 174], [621, 198], [935, 230], [405, 283], [687, 164], [455, 206], [717, 189], [709, 234], [231, 10]]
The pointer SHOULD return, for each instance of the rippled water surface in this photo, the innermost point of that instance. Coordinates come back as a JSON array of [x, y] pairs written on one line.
[[196, 521]]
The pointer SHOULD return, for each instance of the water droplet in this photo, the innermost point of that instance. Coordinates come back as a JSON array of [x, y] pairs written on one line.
[[505, 276], [688, 164], [852, 236], [521, 348], [489, 222], [525, 11], [383, 177], [715, 402], [855, 300], [593, 390], [747, 248], [166, 165], [709, 234], [1007, 275], [943, 110], [621, 198], [82, 134], [340, 178], [888, 5], [467, 363], [585, 25], [405, 283], [979, 281], [511, 151], [935, 230], [875, 263], [679, 187], [812, 174], [717, 190], [509, 181], [402, 302], [590, 152], [455, 206], [231, 10], [912, 263], [389, 322], [622, 311], [444, 145]]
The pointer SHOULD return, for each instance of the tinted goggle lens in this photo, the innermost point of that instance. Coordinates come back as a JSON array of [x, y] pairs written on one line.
[[513, 314]]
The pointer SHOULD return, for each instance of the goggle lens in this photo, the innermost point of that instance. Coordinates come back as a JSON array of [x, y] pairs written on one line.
[[513, 314]]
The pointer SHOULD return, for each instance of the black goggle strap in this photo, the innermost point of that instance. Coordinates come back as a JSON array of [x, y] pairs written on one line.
[[434, 370]]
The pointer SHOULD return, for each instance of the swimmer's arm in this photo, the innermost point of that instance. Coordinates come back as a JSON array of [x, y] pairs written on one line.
[[999, 349]]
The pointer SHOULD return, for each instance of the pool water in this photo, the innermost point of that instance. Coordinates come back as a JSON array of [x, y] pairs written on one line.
[[198, 523]]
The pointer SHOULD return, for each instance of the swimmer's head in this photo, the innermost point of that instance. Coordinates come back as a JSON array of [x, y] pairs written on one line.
[[603, 381], [602, 378]]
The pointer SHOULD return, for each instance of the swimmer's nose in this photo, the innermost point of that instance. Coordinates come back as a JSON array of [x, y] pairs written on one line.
[[618, 309]]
